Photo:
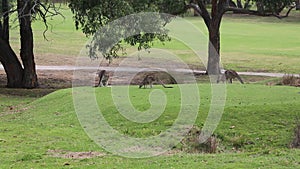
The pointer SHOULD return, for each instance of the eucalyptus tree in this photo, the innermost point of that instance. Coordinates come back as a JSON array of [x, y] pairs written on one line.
[[213, 14], [21, 74]]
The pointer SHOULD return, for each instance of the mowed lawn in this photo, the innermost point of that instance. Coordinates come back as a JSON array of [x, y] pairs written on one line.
[[263, 117]]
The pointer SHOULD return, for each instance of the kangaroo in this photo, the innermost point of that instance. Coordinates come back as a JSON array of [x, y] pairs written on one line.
[[229, 74], [103, 78], [149, 79]]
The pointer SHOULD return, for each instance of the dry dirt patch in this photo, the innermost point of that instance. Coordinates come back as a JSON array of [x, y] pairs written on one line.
[[74, 155]]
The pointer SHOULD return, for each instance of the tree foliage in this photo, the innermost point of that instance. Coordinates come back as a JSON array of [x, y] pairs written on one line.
[[90, 16], [272, 6]]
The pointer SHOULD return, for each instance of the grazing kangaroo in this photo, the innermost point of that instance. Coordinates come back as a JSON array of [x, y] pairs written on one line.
[[229, 74], [149, 79], [103, 78]]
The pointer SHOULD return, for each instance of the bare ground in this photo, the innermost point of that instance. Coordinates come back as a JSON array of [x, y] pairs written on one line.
[[74, 155]]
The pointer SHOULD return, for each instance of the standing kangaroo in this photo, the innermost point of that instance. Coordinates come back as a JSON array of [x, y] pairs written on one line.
[[229, 74], [149, 79]]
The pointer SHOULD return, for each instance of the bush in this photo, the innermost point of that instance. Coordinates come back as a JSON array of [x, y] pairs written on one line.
[[290, 80], [191, 143]]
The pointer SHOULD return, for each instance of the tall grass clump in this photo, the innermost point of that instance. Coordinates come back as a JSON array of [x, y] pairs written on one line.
[[290, 80], [191, 142]]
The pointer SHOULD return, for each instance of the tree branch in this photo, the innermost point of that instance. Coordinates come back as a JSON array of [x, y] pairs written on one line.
[[201, 9], [44, 11], [257, 13], [287, 13], [195, 7], [221, 7]]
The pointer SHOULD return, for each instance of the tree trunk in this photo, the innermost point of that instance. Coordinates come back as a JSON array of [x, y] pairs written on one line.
[[239, 4], [246, 5], [232, 4], [27, 56], [213, 65], [11, 64], [5, 27], [217, 11], [8, 58], [260, 7], [298, 5]]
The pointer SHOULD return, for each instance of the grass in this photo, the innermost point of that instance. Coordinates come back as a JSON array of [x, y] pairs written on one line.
[[263, 118], [10, 101], [260, 43], [255, 130]]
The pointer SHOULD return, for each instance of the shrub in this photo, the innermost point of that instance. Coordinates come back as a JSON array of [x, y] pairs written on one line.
[[191, 143], [290, 80]]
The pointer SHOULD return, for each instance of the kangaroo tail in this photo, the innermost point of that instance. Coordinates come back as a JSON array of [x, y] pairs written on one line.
[[164, 85], [239, 78]]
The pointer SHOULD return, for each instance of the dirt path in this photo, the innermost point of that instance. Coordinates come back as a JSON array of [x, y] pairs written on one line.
[[57, 77], [132, 69]]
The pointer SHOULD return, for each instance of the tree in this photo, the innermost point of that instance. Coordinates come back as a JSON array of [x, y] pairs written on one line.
[[213, 20], [91, 15], [21, 75]]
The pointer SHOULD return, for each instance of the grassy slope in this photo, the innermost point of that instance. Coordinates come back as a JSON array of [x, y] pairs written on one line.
[[263, 116], [10, 102]]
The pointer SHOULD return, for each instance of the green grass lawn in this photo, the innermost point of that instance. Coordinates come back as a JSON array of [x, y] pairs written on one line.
[[263, 116]]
